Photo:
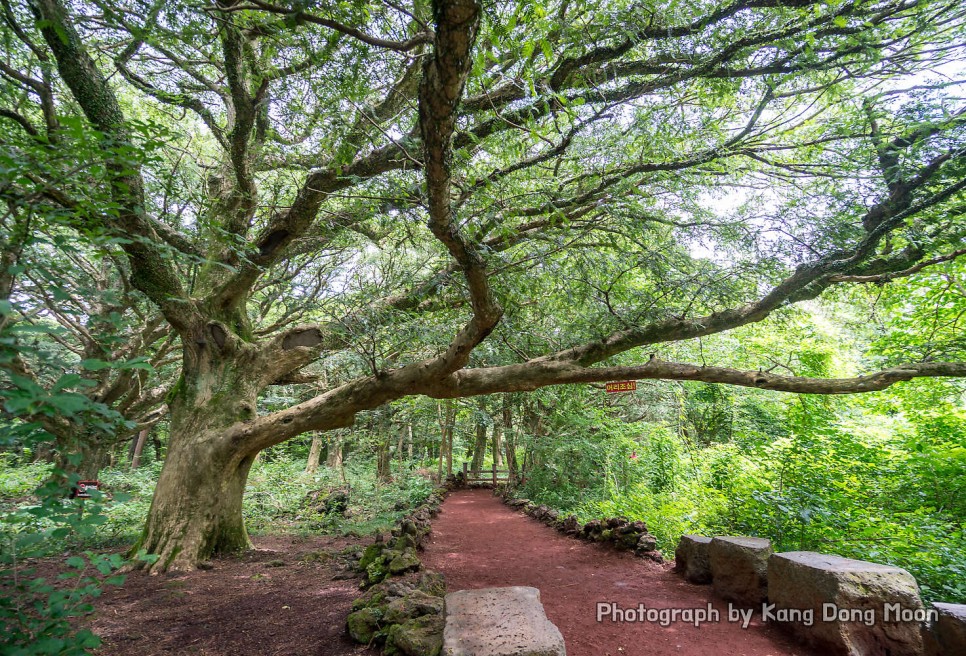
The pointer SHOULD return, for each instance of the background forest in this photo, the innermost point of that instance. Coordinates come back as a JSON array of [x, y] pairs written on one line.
[[289, 255], [880, 476]]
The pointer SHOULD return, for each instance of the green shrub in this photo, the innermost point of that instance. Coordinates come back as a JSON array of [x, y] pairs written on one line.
[[843, 478]]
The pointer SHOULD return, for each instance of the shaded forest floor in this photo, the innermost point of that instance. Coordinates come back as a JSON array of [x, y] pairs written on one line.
[[285, 599], [478, 542]]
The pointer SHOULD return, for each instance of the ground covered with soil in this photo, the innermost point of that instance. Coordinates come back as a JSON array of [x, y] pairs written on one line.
[[478, 542], [288, 598]]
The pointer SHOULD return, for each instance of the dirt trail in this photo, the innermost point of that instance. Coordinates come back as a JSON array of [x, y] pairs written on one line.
[[478, 542], [278, 601]]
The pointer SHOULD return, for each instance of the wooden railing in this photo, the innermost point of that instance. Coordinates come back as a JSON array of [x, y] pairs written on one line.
[[492, 475]]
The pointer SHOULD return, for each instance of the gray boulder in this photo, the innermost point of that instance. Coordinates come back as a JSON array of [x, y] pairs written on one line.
[[499, 622], [946, 635], [854, 605], [739, 568], [692, 558]]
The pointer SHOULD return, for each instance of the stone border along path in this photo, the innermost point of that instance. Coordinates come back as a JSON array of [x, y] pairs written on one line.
[[478, 542]]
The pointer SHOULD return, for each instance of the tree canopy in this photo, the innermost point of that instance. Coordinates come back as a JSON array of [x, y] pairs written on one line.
[[459, 198]]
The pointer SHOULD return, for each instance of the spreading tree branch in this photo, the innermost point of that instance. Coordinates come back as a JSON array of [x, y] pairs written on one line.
[[152, 273]]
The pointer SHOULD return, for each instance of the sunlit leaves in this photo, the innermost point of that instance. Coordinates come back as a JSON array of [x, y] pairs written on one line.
[[928, 316]]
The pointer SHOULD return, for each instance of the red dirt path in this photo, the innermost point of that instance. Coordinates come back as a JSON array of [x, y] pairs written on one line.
[[478, 542]]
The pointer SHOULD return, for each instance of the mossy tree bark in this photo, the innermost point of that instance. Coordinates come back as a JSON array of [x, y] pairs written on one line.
[[83, 455], [383, 461], [197, 506], [196, 510]]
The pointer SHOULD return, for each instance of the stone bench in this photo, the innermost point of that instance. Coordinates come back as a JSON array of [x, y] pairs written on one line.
[[856, 607], [946, 634], [739, 568], [691, 558], [499, 622]]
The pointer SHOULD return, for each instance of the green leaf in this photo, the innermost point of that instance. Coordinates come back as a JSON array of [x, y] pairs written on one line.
[[547, 49]]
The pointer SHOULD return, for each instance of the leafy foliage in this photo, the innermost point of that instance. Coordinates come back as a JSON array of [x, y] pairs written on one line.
[[35, 613], [841, 478]]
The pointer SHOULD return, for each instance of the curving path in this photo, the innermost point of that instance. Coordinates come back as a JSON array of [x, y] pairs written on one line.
[[478, 542]]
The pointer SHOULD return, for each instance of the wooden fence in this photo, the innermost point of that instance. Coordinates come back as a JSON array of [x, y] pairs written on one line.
[[492, 475]]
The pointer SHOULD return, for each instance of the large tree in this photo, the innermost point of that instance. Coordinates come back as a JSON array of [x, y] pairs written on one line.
[[466, 198]]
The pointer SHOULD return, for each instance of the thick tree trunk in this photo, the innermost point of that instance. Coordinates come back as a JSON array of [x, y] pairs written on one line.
[[197, 507], [498, 443], [196, 511], [315, 451]]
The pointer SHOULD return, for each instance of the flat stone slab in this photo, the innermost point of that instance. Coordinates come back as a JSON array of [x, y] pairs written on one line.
[[946, 635], [692, 559], [856, 607], [499, 622], [739, 568]]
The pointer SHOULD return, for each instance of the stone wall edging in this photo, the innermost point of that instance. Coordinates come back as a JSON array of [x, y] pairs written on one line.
[[402, 608], [839, 604], [618, 532]]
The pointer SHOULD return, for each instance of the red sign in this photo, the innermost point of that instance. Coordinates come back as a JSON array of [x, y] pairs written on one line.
[[621, 386], [83, 489]]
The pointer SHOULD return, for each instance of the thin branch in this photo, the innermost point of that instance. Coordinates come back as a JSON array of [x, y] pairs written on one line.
[[301, 16], [887, 277]]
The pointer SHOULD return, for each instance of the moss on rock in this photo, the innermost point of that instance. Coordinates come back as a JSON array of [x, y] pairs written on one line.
[[422, 636], [363, 624], [405, 561]]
